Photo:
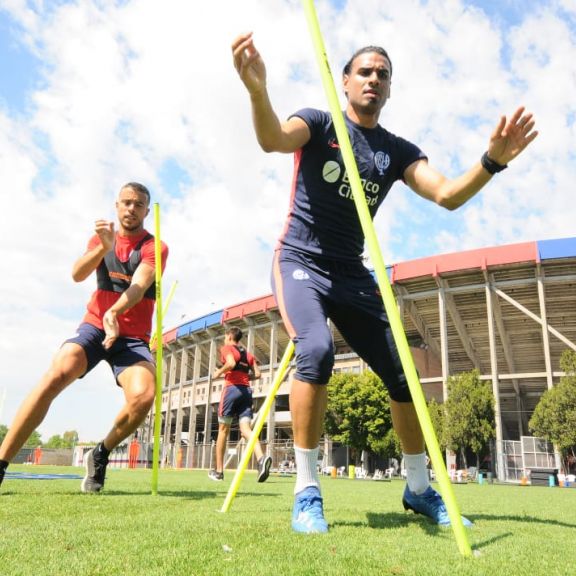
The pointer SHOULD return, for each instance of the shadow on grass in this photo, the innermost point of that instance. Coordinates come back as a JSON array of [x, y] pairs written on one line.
[[184, 494], [523, 519], [257, 494], [494, 539], [188, 494], [390, 521], [199, 495], [394, 520], [138, 493]]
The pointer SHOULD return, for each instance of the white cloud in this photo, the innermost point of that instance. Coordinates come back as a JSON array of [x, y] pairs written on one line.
[[130, 86]]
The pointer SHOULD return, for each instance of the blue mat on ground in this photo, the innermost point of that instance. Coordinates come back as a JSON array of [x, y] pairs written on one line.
[[29, 476]]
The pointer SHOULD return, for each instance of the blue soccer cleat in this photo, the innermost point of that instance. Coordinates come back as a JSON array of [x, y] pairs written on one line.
[[308, 512], [430, 504]]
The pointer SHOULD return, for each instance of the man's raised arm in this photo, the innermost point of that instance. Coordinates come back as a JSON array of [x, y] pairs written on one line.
[[272, 135], [507, 141]]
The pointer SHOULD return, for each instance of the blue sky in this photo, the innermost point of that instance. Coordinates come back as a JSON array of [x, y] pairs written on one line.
[[18, 67], [94, 94]]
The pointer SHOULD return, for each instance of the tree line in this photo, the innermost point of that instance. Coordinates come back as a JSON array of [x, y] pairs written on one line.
[[358, 415], [68, 440]]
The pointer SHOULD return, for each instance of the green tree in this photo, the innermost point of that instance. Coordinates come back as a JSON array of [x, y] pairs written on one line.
[[438, 417], [555, 415], [469, 410], [67, 440], [3, 431], [70, 438], [358, 414], [389, 446], [34, 440], [55, 441]]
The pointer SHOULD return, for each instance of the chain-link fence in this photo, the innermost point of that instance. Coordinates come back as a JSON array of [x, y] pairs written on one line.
[[200, 455]]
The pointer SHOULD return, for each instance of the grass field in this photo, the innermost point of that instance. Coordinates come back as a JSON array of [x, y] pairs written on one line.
[[49, 528]]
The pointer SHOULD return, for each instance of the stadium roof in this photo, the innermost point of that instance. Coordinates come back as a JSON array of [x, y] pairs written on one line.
[[529, 287]]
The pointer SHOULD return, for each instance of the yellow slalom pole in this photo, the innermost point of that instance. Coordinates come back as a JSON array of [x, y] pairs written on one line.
[[159, 349], [385, 288], [258, 427], [164, 310]]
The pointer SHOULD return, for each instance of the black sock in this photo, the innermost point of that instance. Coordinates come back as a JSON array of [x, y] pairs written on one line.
[[3, 466], [102, 451]]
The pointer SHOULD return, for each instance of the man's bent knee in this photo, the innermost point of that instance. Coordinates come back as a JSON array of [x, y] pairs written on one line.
[[140, 395], [138, 380], [400, 393], [315, 362], [143, 399]]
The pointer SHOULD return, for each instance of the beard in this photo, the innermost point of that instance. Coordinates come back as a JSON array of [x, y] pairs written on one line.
[[131, 225]]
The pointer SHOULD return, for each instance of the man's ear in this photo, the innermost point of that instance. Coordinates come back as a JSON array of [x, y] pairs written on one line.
[[345, 79]]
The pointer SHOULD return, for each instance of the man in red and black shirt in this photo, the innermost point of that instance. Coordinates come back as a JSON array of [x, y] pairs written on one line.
[[116, 328], [238, 367]]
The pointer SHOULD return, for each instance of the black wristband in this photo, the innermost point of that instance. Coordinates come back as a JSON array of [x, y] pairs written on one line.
[[490, 165]]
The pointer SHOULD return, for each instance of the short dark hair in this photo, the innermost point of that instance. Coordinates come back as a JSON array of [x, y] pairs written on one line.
[[235, 332], [365, 50], [140, 188]]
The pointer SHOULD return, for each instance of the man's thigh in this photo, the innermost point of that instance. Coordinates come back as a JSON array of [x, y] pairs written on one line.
[[68, 364], [300, 291], [226, 405], [86, 343], [372, 339], [127, 353]]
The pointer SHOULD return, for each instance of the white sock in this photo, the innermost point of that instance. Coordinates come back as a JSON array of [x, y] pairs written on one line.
[[416, 472], [306, 471]]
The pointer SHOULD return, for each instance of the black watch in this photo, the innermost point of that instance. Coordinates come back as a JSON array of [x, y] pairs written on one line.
[[490, 165]]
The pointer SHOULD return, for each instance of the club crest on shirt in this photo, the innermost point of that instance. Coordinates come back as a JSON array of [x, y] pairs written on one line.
[[300, 274], [381, 161]]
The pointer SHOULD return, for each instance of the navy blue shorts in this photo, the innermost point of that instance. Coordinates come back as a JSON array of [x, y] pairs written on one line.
[[309, 290], [236, 400], [125, 352]]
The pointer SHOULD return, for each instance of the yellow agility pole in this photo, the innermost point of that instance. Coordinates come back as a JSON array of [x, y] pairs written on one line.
[[385, 287], [164, 310], [157, 333], [258, 427], [159, 349]]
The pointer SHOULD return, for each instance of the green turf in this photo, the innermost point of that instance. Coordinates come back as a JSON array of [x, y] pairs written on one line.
[[48, 528]]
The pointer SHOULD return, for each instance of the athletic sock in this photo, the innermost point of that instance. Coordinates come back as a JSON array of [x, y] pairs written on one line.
[[306, 470], [416, 472]]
